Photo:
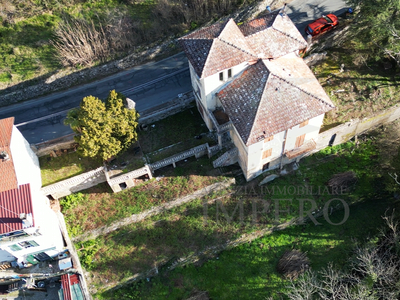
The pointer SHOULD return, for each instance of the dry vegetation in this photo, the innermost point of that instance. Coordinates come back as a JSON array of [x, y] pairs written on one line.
[[38, 38]]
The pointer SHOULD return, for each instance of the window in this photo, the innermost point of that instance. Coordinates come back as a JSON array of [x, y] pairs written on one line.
[[303, 124], [229, 73], [15, 247], [268, 139], [28, 244], [300, 140], [221, 76], [265, 167], [267, 153]]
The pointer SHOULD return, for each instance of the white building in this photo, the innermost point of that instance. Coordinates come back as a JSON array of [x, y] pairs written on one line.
[[252, 87], [29, 230]]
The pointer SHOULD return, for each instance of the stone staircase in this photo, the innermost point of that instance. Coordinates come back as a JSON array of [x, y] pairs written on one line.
[[228, 158]]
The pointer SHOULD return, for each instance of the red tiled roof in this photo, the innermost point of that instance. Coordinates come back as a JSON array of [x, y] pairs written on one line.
[[224, 45], [216, 48], [12, 204], [261, 103], [278, 37], [8, 178]]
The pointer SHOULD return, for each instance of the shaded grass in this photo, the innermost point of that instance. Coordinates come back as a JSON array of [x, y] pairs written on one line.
[[178, 128], [54, 169]]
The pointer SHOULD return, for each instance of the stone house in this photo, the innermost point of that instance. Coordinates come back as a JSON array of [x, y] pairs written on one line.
[[29, 230], [254, 90]]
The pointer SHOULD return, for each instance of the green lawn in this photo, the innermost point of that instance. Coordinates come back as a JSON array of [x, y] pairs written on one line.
[[103, 207], [179, 232], [249, 271], [54, 169]]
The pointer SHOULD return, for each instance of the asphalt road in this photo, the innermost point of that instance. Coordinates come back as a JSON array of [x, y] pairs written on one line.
[[148, 85]]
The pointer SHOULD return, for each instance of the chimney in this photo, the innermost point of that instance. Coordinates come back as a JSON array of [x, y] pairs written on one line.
[[283, 9], [4, 155]]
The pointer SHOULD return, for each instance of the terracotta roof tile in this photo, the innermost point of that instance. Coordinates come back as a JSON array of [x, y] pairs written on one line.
[[8, 178], [12, 204], [206, 33], [213, 49], [232, 35], [241, 98], [224, 56], [6, 126], [259, 24], [293, 69], [197, 52], [279, 105], [279, 39]]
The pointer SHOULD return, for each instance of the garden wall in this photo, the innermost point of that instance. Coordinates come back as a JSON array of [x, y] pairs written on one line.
[[344, 132]]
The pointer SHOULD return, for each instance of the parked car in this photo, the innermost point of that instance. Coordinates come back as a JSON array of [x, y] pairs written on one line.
[[322, 24]]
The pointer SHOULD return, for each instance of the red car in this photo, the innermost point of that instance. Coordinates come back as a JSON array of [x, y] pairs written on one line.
[[321, 25]]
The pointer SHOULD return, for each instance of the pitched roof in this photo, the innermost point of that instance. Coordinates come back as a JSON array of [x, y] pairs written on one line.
[[273, 36], [224, 45], [216, 48], [12, 204], [8, 177], [272, 96]]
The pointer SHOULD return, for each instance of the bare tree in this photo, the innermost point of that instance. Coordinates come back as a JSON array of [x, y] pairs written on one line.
[[79, 42], [372, 275]]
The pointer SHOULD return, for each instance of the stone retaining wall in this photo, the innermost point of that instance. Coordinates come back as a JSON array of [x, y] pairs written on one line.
[[75, 184], [155, 210]]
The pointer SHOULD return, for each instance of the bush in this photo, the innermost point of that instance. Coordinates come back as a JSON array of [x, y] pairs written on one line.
[[71, 201]]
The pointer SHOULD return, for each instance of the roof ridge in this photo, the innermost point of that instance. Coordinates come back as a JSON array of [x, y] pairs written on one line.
[[208, 57], [259, 104], [286, 34], [308, 93], [237, 47]]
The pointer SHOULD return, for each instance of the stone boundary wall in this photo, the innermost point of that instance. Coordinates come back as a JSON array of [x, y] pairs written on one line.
[[45, 148], [61, 81], [170, 108], [212, 251], [154, 211], [344, 132], [334, 136], [75, 184], [196, 151], [149, 116], [94, 177]]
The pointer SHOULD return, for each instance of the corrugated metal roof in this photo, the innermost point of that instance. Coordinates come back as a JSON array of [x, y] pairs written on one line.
[[12, 204], [71, 287], [8, 178]]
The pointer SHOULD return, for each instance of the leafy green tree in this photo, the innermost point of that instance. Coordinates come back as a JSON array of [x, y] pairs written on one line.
[[103, 129], [377, 27]]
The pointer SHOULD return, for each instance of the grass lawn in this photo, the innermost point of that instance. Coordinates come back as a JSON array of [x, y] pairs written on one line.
[[54, 169], [249, 271], [178, 130], [361, 88], [181, 231], [103, 207]]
